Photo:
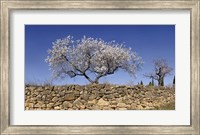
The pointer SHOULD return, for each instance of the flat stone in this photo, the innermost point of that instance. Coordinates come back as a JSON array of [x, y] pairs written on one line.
[[38, 105], [76, 93], [85, 96], [67, 104], [139, 107], [57, 103], [92, 97], [133, 106], [43, 97], [30, 104], [102, 102], [119, 100], [108, 96], [28, 93], [57, 108], [95, 107], [82, 106], [50, 105], [121, 105], [92, 102], [78, 104], [69, 97], [113, 106], [55, 99], [107, 108], [39, 97], [61, 93], [113, 102]]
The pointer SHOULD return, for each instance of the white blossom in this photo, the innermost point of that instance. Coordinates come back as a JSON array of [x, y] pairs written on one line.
[[72, 58]]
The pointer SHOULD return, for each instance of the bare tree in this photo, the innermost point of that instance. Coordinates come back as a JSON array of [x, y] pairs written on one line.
[[161, 69], [88, 55]]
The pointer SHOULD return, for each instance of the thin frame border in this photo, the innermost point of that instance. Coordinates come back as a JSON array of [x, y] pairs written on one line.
[[6, 7]]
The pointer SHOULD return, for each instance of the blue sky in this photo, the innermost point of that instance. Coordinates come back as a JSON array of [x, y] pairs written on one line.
[[148, 41]]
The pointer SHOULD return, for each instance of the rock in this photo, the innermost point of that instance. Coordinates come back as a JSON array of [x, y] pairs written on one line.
[[116, 95], [28, 93], [30, 105], [139, 107], [51, 88], [92, 97], [95, 107], [108, 92], [62, 93], [78, 87], [50, 105], [102, 91], [69, 97], [108, 96], [84, 96], [38, 105], [61, 99], [57, 103], [121, 86], [119, 100], [133, 106], [76, 93], [43, 97], [92, 101], [68, 92], [67, 104], [57, 108], [113, 102], [150, 104], [58, 95], [77, 103], [39, 97], [121, 105], [46, 92], [48, 97], [101, 102], [107, 108], [81, 92], [55, 99], [113, 106], [31, 88], [136, 95], [82, 106], [122, 109]]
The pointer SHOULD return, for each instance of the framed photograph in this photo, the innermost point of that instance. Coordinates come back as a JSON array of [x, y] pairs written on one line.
[[100, 67]]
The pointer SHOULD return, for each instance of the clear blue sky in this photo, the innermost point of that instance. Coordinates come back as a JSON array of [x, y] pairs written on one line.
[[148, 41]]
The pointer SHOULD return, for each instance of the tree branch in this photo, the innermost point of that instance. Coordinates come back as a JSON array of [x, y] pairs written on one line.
[[72, 64]]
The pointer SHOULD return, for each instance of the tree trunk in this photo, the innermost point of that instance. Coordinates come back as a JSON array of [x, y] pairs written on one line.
[[88, 78], [161, 81], [95, 82]]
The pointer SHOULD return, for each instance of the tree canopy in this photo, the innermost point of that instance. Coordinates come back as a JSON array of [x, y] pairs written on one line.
[[73, 58], [161, 69]]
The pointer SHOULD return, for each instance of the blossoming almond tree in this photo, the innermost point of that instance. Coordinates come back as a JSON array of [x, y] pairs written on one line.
[[88, 55]]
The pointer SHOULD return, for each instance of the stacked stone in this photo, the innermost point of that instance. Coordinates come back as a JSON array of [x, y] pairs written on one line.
[[97, 97]]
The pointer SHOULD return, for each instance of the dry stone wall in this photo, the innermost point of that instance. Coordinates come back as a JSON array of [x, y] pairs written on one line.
[[96, 97]]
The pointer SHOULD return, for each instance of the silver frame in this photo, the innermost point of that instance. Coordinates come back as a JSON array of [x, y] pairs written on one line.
[[7, 6]]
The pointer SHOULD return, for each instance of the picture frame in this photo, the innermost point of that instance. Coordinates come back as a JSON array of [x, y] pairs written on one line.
[[8, 6]]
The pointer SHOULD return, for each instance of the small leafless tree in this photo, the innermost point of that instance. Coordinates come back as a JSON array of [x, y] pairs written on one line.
[[161, 69]]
